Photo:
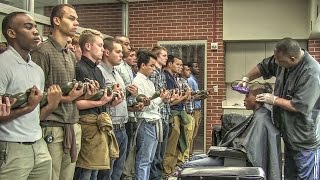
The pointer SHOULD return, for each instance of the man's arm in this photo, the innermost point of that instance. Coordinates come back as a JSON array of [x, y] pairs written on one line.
[[285, 104], [53, 97], [88, 104], [253, 74], [33, 100], [266, 68], [276, 101], [74, 94]]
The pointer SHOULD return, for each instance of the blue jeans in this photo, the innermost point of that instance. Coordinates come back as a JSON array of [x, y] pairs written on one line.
[[115, 172], [146, 148], [85, 174], [301, 164], [156, 166]]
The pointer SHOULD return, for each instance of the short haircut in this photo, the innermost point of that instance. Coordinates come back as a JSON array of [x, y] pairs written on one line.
[[157, 49], [7, 22], [171, 59], [88, 36], [143, 57], [57, 11], [132, 49], [190, 64], [75, 40], [288, 47], [108, 43], [257, 88], [118, 38]]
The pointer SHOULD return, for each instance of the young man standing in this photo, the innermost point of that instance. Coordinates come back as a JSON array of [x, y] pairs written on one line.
[[126, 71], [23, 152], [188, 107], [112, 57], [159, 80], [148, 117], [58, 64], [197, 111], [93, 155], [179, 118]]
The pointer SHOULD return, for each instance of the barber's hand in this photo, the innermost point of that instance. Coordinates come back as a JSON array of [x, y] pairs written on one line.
[[266, 98], [243, 82]]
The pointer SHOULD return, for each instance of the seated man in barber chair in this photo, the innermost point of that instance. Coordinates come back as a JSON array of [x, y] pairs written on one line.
[[256, 136]]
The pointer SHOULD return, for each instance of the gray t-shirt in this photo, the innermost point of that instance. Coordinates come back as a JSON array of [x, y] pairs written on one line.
[[301, 85], [119, 113], [17, 76]]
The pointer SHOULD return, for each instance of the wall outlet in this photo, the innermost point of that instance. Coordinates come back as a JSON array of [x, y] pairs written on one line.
[[214, 46], [215, 88]]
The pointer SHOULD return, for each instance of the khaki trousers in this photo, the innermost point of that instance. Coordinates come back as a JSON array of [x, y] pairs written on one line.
[[62, 168], [172, 152], [197, 120], [189, 128], [25, 161]]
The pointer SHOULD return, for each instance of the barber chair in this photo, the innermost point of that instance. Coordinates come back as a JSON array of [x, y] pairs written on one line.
[[222, 173], [232, 157], [235, 166]]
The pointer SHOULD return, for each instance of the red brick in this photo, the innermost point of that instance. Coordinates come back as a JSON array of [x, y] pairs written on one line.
[[150, 22]]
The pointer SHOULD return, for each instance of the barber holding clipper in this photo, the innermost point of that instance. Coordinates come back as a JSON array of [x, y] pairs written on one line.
[[296, 105]]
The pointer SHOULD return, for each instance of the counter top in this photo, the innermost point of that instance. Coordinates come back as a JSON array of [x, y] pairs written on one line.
[[231, 104]]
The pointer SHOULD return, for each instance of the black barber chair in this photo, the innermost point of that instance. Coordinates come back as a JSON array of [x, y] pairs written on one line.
[[232, 157], [235, 166], [222, 173]]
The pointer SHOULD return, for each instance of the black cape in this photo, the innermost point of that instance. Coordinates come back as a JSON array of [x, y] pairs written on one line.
[[259, 139]]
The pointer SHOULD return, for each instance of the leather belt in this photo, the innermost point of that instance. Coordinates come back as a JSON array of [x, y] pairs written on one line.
[[152, 122], [117, 127], [48, 123], [26, 143]]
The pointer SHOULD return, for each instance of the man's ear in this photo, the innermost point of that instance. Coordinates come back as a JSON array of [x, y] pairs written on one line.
[[292, 59], [142, 66], [56, 21], [106, 52], [87, 46], [11, 33]]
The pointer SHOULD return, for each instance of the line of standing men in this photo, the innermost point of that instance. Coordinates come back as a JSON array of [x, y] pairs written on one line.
[[25, 154]]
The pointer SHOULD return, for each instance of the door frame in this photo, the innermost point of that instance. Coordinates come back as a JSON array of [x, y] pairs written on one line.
[[195, 42]]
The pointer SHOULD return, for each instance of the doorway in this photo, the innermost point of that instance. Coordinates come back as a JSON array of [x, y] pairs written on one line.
[[193, 51]]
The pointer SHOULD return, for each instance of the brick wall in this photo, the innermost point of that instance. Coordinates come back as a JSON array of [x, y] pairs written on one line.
[[106, 18], [314, 49], [163, 20]]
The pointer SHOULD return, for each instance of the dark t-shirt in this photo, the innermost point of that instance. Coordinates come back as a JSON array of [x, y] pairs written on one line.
[[301, 85], [173, 84], [85, 68]]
